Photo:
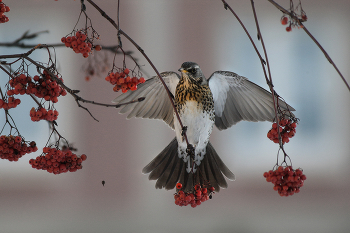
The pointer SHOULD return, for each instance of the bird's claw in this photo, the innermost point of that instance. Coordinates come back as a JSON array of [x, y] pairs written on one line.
[[190, 150]]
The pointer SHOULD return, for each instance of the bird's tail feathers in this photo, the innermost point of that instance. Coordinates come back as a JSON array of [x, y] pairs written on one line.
[[168, 169]]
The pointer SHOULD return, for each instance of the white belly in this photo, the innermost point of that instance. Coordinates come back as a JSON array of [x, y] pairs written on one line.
[[199, 127]]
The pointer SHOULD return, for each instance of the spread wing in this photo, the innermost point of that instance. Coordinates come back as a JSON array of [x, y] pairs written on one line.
[[236, 98], [157, 104]]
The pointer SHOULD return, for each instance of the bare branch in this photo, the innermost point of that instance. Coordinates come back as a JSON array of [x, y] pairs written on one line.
[[269, 78], [263, 62], [312, 37], [77, 98]]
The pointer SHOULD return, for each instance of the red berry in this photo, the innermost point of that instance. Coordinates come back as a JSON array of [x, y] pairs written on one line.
[[284, 20], [83, 157], [78, 33], [142, 80], [298, 172], [82, 37], [74, 44], [178, 185], [121, 80], [98, 47]]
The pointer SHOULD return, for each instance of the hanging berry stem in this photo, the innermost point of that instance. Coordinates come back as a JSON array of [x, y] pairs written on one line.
[[268, 78]]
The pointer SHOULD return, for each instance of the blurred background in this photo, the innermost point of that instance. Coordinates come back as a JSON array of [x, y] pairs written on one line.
[[171, 32]]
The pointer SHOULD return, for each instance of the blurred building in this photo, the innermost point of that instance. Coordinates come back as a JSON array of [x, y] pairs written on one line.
[[171, 32]]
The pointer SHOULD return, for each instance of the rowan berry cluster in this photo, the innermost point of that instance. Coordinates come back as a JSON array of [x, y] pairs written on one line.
[[193, 198], [80, 43], [123, 81], [286, 180], [57, 161], [14, 147], [286, 129], [11, 103], [42, 87], [43, 114], [292, 22], [3, 9]]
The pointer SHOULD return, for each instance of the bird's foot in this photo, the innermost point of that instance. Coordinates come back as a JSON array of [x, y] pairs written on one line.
[[184, 130], [190, 150]]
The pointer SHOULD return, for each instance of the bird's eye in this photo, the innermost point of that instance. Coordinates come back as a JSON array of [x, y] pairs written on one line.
[[192, 70]]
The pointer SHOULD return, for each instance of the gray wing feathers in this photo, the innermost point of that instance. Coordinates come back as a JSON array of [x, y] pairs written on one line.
[[157, 104], [236, 98]]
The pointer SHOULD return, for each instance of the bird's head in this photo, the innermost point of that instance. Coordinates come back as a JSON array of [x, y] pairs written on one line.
[[192, 72]]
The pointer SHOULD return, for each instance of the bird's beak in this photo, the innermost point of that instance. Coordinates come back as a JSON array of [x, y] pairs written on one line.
[[182, 70]]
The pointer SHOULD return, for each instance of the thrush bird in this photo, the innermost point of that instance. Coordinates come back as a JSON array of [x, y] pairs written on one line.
[[223, 100]]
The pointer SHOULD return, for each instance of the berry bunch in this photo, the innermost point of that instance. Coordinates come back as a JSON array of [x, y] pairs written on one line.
[[3, 9], [19, 85], [57, 161], [195, 197], [285, 21], [11, 103], [80, 43], [291, 22], [286, 129], [43, 114], [14, 147], [123, 81], [286, 180], [42, 87]]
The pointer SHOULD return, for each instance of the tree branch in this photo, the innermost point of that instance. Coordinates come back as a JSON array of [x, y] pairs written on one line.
[[59, 82], [293, 16]]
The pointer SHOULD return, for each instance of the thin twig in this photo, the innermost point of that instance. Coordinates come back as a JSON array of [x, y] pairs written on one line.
[[26, 36], [275, 102], [263, 62], [312, 37]]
